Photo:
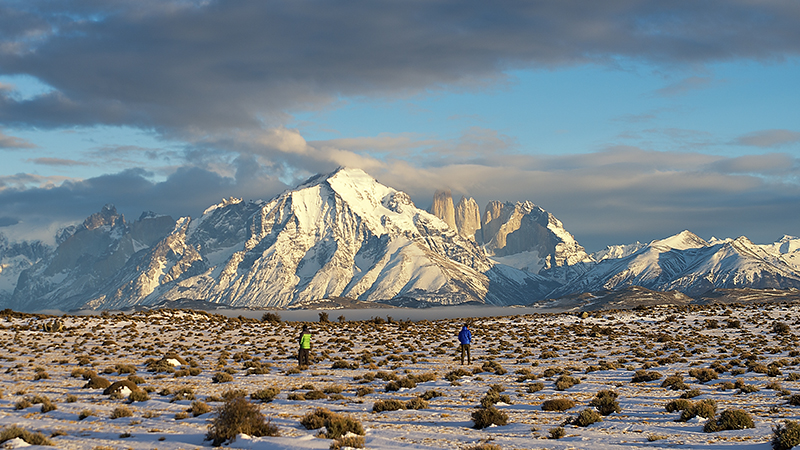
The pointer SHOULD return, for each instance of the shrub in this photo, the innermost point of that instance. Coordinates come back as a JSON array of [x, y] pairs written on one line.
[[416, 403], [730, 419], [484, 417], [387, 405], [781, 328], [536, 386], [138, 396], [586, 418], [236, 416], [606, 402], [794, 400], [14, 432], [342, 364], [265, 395], [558, 404], [121, 411], [347, 441], [222, 377], [565, 382], [691, 393], [704, 408], [703, 375], [454, 375], [643, 376], [199, 408], [431, 394], [674, 383], [85, 413], [185, 393], [786, 436], [271, 317], [97, 382], [22, 404], [364, 390], [557, 433], [677, 405], [494, 367], [315, 395], [336, 425]]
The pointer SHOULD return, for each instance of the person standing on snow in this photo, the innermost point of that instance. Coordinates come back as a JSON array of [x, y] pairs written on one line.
[[465, 338], [303, 355]]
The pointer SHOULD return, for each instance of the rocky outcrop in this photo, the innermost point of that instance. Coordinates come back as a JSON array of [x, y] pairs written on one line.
[[442, 208], [468, 218], [528, 237]]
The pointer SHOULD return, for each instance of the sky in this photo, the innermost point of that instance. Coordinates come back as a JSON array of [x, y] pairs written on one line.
[[628, 120]]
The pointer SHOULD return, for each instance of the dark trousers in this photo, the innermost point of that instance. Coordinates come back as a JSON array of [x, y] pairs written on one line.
[[465, 350], [303, 357]]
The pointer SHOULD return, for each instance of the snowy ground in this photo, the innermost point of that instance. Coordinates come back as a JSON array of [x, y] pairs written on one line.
[[603, 351]]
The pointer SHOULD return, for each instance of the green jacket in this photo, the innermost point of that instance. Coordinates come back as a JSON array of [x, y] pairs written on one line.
[[305, 341]]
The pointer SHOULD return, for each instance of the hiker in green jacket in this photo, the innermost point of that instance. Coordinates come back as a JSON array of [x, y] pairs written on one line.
[[303, 356]]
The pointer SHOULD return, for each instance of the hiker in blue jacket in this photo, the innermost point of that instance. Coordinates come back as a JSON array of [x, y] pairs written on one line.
[[465, 337]]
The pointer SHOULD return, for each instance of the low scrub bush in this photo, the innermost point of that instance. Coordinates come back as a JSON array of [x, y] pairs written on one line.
[[730, 419], [14, 432], [199, 408], [222, 377], [674, 383], [557, 433], [704, 408], [121, 411], [704, 375], [265, 395], [387, 405], [536, 386], [786, 436], [565, 382], [586, 418], [558, 404], [485, 417], [238, 416], [416, 403], [691, 393], [349, 441], [606, 402], [336, 425], [643, 376]]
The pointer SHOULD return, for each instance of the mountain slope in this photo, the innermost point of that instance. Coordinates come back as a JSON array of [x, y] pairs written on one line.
[[688, 264]]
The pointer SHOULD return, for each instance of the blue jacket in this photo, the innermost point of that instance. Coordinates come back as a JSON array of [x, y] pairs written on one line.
[[465, 336]]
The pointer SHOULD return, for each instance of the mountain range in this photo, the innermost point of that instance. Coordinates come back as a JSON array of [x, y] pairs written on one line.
[[344, 235]]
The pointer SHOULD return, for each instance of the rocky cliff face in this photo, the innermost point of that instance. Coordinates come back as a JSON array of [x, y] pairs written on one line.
[[526, 236], [442, 208], [468, 218]]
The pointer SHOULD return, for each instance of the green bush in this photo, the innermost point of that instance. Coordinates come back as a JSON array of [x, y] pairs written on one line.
[[730, 419], [786, 436], [484, 417], [237, 416]]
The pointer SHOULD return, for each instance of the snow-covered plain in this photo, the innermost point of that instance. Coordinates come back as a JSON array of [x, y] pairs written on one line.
[[603, 351]]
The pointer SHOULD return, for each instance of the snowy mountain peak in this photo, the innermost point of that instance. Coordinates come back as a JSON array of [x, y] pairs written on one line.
[[681, 241]]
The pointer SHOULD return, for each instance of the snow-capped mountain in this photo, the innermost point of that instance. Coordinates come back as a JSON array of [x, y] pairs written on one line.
[[15, 257], [344, 235], [341, 234], [688, 264]]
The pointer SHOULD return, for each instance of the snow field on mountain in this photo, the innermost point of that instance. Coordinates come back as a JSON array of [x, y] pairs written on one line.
[[526, 357]]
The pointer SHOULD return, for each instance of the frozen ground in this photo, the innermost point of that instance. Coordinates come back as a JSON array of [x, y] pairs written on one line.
[[602, 351]]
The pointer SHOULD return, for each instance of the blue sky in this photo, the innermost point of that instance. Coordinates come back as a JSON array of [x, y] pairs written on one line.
[[627, 120]]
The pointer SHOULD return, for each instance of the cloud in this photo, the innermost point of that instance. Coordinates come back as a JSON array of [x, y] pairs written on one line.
[[13, 143], [57, 162], [686, 85], [769, 138], [191, 68]]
